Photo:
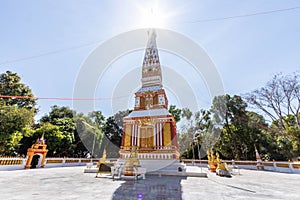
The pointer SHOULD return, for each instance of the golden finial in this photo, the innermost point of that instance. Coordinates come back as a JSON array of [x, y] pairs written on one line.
[[43, 135]]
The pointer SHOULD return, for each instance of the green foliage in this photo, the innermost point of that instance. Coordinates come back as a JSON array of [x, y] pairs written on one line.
[[228, 126], [118, 117], [13, 144], [58, 113], [10, 85], [98, 118], [193, 127], [90, 135], [12, 121], [287, 140], [64, 138], [113, 131], [202, 119], [186, 113], [279, 101], [54, 137], [16, 114], [113, 139], [176, 112], [235, 139], [184, 142], [240, 133]]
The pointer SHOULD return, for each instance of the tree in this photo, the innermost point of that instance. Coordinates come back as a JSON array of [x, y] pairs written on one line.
[[98, 118], [113, 131], [58, 113], [241, 132], [213, 123], [287, 141], [176, 112], [202, 117], [12, 121], [186, 130], [118, 117], [62, 117], [192, 132], [15, 113], [186, 113], [55, 138], [185, 140], [113, 139], [89, 137], [11, 85], [279, 99]]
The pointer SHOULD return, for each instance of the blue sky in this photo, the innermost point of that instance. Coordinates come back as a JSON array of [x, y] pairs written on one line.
[[46, 42]]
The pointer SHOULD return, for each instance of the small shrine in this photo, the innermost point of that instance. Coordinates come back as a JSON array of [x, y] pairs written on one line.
[[36, 155]]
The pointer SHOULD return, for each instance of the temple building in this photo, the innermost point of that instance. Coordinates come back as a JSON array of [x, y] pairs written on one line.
[[150, 128]]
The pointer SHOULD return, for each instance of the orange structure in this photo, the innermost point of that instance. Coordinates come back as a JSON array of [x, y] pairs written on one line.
[[38, 151], [150, 128]]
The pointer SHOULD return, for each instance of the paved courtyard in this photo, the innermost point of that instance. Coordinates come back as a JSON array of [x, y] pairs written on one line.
[[71, 183]]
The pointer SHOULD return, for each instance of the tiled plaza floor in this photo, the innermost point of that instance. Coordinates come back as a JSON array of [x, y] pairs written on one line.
[[71, 183]]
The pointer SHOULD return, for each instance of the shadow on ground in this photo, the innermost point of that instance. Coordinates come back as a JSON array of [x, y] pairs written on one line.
[[153, 187]]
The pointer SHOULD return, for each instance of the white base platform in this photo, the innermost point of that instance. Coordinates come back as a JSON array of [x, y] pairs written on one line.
[[159, 165]]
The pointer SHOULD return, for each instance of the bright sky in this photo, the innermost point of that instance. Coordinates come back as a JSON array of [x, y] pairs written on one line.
[[47, 41]]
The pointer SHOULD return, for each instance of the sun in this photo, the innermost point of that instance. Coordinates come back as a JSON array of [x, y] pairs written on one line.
[[153, 19], [153, 16]]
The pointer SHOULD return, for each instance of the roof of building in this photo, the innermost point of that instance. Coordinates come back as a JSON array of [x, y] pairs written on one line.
[[149, 113], [151, 88]]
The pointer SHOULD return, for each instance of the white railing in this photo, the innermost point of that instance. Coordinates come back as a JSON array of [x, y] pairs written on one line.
[[277, 166], [14, 163]]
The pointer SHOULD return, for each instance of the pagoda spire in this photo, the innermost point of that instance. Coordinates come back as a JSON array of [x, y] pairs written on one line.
[[151, 70]]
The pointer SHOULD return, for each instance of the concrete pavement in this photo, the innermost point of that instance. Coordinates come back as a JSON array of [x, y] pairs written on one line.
[[72, 183]]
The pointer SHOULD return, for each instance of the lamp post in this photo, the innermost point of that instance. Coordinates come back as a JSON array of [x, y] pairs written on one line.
[[193, 152], [93, 140], [197, 141], [93, 143]]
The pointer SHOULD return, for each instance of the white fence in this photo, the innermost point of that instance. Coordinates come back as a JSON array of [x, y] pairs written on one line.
[[15, 163], [276, 166]]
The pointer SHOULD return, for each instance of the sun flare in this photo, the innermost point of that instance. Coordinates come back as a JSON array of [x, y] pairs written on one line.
[[152, 16]]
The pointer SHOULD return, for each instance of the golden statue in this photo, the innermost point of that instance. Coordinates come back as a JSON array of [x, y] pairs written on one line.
[[222, 168], [212, 162], [208, 156], [102, 159], [103, 165], [131, 163]]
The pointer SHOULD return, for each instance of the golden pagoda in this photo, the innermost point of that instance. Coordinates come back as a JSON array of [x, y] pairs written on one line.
[[150, 128]]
